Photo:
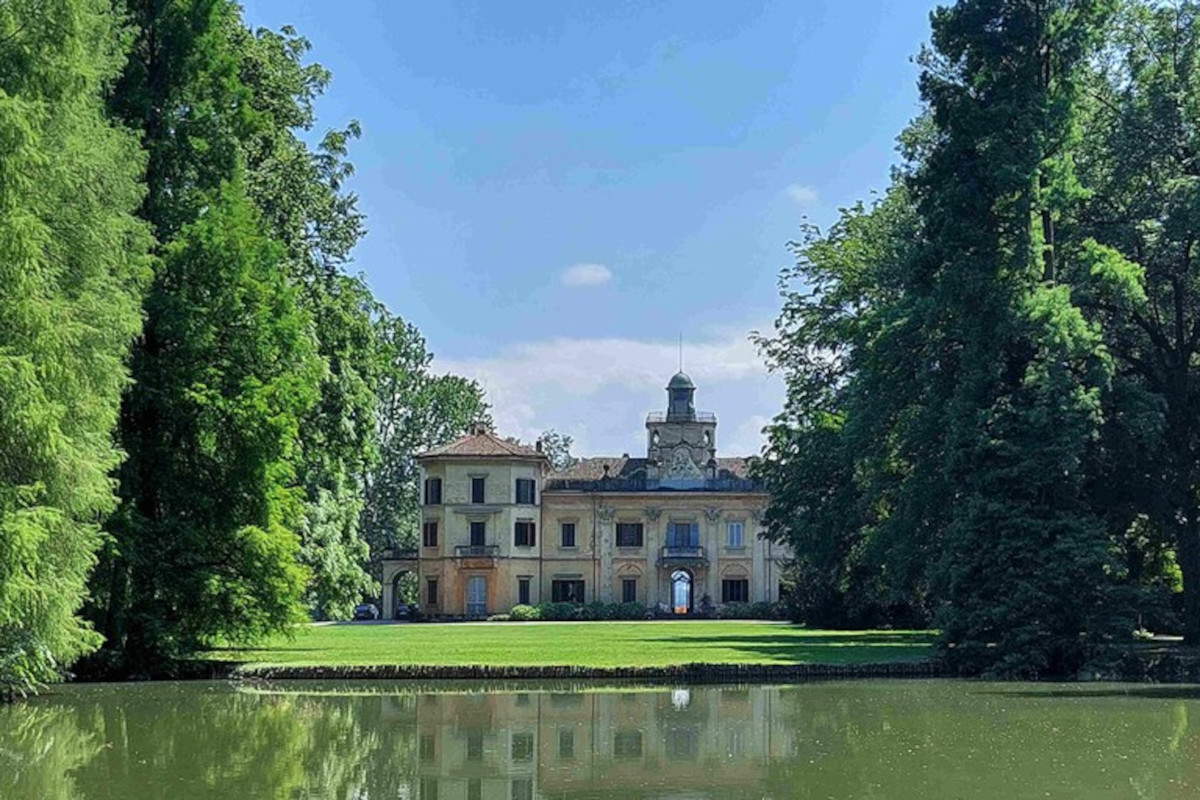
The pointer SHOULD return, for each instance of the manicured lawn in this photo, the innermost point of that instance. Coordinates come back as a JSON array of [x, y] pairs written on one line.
[[592, 644]]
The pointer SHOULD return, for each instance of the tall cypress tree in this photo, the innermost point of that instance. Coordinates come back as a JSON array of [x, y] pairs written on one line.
[[1022, 572], [73, 266], [204, 541]]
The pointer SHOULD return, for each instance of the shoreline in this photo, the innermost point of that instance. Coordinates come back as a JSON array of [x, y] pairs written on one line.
[[678, 673]]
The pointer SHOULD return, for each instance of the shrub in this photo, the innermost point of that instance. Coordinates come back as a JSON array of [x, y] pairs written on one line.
[[499, 618], [759, 610], [558, 611], [524, 613], [629, 611]]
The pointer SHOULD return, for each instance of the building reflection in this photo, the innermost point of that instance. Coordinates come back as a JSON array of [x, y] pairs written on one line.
[[640, 742]]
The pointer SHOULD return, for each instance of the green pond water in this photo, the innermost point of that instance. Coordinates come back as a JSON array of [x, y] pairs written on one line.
[[366, 741]]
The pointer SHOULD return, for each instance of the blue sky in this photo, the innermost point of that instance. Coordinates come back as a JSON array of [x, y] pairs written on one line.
[[556, 191]]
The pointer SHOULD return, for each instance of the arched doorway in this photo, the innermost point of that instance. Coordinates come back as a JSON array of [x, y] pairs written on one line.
[[681, 591], [404, 593]]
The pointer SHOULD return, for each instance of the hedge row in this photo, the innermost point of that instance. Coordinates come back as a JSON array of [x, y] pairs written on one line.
[[612, 611]]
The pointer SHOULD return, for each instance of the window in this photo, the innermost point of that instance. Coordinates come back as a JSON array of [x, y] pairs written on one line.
[[475, 789], [628, 590], [523, 591], [627, 744], [566, 591], [568, 534], [735, 591], [566, 743], [477, 489], [433, 491], [429, 534], [629, 534], [522, 789], [524, 533], [526, 491], [522, 747], [431, 592], [429, 789], [474, 746], [478, 533], [428, 750], [683, 534], [736, 531]]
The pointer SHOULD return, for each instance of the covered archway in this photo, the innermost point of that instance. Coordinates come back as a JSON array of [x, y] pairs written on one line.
[[400, 583], [681, 591]]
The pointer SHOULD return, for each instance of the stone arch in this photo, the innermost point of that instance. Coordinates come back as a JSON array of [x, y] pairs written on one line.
[[735, 571]]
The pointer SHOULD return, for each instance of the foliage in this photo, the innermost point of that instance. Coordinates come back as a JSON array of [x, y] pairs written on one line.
[[72, 268], [524, 613], [204, 540], [416, 410], [946, 390], [557, 447], [759, 610], [300, 196], [1139, 280]]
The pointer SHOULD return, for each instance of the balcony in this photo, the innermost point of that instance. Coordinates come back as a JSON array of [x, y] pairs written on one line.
[[399, 554], [682, 555], [476, 556]]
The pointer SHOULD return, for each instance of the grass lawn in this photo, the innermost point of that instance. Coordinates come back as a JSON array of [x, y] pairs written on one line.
[[591, 644]]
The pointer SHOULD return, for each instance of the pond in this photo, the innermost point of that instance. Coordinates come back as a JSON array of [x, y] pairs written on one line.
[[366, 741]]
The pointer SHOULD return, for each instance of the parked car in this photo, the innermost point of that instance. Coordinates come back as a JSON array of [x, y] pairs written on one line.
[[366, 611], [406, 610]]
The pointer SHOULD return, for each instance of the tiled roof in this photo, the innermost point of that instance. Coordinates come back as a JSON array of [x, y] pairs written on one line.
[[592, 469], [732, 474], [481, 444]]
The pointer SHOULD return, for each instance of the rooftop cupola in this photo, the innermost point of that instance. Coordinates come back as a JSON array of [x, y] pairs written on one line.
[[681, 398]]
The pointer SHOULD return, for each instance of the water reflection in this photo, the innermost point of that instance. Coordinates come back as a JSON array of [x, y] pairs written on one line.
[[370, 741]]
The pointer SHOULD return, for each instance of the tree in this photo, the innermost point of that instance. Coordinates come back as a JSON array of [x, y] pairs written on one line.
[[73, 265], [416, 411], [557, 447], [300, 196], [204, 544], [943, 369], [1142, 284]]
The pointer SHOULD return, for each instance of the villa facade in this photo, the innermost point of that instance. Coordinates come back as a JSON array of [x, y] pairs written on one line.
[[677, 530]]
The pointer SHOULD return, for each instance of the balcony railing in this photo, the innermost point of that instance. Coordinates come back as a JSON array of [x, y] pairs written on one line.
[[682, 554], [699, 416], [399, 554], [476, 550]]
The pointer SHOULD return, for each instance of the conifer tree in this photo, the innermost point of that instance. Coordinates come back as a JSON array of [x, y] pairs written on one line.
[[73, 265], [204, 542]]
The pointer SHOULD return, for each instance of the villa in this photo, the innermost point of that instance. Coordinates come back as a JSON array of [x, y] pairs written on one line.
[[677, 530]]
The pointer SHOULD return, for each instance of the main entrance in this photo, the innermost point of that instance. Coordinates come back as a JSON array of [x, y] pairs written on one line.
[[681, 591], [476, 596]]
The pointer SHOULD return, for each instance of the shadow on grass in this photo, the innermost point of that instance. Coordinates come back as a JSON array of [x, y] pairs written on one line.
[[1144, 692], [835, 647], [264, 649]]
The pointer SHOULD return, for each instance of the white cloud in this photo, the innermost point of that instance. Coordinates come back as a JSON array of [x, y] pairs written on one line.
[[599, 390], [586, 275], [802, 195]]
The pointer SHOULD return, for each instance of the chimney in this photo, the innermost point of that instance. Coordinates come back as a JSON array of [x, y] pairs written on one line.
[[479, 428], [538, 445], [606, 470]]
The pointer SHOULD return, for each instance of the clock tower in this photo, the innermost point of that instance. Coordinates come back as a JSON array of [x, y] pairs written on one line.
[[681, 445]]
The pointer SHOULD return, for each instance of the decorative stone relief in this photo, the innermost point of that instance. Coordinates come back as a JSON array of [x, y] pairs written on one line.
[[606, 513], [712, 514], [682, 465], [652, 512]]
